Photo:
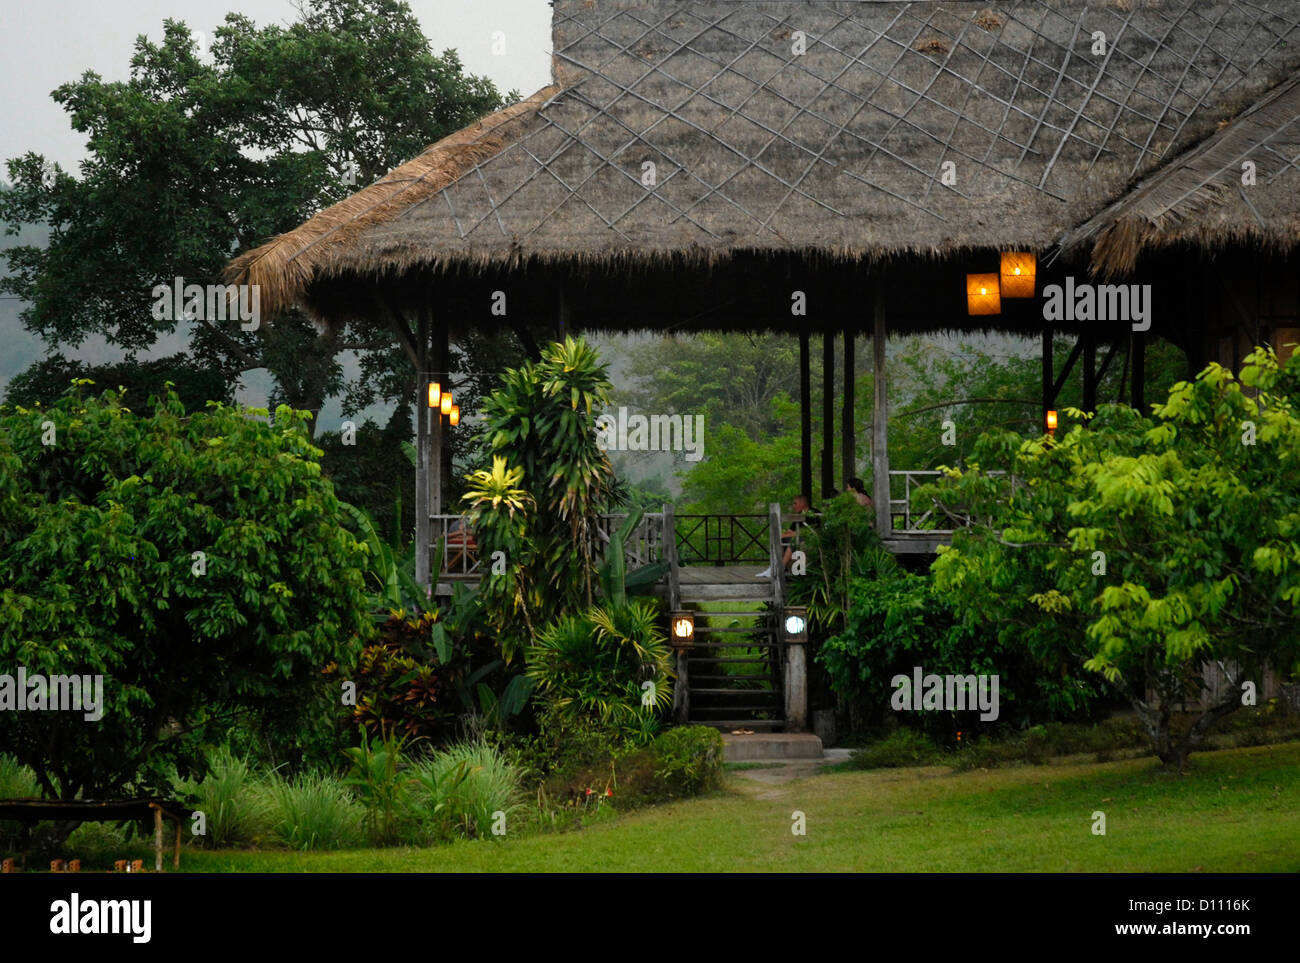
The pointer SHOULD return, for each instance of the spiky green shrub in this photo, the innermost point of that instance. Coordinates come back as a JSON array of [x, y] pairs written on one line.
[[234, 814], [597, 665], [312, 811]]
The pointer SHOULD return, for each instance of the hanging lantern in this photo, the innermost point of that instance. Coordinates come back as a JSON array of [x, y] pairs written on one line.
[[454, 415], [445, 403], [1051, 421], [435, 394], [1018, 270], [982, 294]]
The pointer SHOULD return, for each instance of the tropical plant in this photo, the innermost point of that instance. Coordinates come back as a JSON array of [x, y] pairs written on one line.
[[615, 580], [376, 774], [609, 663], [538, 504], [1144, 549]]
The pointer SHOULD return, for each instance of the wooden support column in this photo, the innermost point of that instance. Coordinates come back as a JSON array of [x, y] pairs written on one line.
[[1089, 371], [880, 417], [682, 688], [1049, 395], [848, 439], [828, 414], [422, 428], [1137, 349], [157, 836], [440, 462], [805, 418]]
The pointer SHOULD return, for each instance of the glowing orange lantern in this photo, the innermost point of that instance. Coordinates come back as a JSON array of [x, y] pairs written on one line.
[[445, 403], [982, 294], [1018, 271], [454, 415]]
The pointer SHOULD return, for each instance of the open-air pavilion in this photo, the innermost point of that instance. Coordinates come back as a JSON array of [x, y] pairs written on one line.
[[845, 169]]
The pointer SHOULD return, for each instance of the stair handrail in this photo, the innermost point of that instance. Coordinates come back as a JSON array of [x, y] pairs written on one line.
[[776, 555], [670, 556]]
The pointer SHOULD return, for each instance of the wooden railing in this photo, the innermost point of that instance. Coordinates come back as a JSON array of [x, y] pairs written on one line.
[[709, 539], [910, 518], [722, 539]]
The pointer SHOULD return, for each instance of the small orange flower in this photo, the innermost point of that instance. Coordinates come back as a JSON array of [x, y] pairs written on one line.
[[609, 792], [590, 791]]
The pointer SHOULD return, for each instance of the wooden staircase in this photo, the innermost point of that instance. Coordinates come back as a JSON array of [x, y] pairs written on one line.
[[734, 671]]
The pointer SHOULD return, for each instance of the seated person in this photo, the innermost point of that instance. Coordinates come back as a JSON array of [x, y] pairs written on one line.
[[802, 505], [860, 493]]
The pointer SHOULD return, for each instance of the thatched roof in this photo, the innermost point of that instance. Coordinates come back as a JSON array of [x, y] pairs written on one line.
[[838, 151], [1204, 197]]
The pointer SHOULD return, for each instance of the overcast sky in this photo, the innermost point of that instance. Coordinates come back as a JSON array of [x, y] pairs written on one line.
[[45, 43]]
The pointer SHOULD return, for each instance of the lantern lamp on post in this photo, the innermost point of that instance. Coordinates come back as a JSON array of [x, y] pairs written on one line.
[[982, 295], [1051, 421], [444, 403], [683, 628], [794, 620], [435, 394], [453, 418], [1018, 272]]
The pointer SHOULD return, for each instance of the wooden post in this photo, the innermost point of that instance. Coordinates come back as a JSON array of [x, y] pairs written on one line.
[[435, 457], [422, 479], [1048, 398], [681, 690], [848, 439], [176, 854], [1139, 370], [828, 414], [157, 836], [880, 418], [441, 353], [1089, 371], [805, 418], [776, 555]]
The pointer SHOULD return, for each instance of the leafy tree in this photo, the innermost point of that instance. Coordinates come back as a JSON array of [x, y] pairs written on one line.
[[42, 384], [1144, 549], [192, 160], [103, 514], [548, 482]]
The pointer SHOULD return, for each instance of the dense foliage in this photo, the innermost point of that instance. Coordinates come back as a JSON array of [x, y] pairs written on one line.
[[1145, 548], [198, 563]]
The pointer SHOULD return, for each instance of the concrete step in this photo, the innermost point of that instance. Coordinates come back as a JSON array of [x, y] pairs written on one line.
[[769, 745]]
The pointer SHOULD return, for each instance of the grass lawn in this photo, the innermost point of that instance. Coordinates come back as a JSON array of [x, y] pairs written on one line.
[[1234, 811]]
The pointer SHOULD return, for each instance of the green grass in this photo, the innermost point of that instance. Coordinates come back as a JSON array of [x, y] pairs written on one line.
[[1234, 811]]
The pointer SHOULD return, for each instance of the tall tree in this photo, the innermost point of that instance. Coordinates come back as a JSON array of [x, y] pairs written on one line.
[[195, 158]]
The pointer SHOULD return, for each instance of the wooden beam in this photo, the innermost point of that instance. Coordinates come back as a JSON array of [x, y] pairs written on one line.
[[848, 437], [805, 418], [828, 414], [880, 416], [403, 332]]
